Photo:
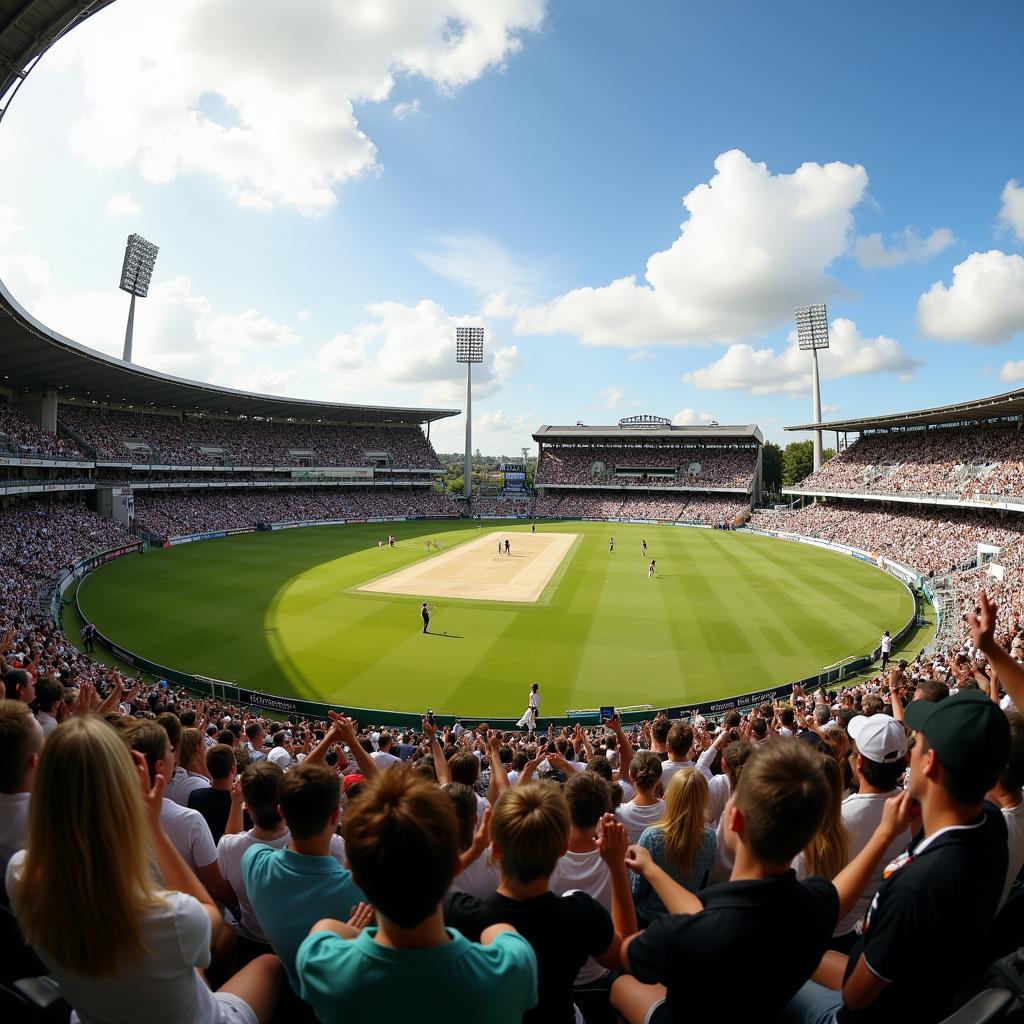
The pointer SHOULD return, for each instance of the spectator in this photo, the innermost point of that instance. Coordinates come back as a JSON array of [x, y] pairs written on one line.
[[213, 801], [478, 874], [281, 753], [19, 685], [21, 740], [402, 839], [646, 807], [684, 963], [1006, 794], [878, 761], [680, 749], [134, 948], [254, 741], [682, 844], [382, 756], [949, 886], [49, 695], [828, 851], [290, 888], [185, 828], [191, 773]]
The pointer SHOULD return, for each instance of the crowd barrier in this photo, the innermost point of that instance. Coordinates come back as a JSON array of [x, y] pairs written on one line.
[[232, 693]]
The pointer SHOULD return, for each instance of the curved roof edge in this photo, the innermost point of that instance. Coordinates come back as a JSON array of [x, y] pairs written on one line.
[[1010, 403], [36, 358]]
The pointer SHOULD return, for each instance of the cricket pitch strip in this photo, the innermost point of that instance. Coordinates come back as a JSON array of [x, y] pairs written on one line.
[[476, 571]]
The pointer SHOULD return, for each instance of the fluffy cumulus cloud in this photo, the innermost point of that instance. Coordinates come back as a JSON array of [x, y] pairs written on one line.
[[122, 205], [412, 348], [1012, 372], [984, 305], [766, 371], [1011, 213], [905, 246], [690, 417], [755, 244], [263, 97]]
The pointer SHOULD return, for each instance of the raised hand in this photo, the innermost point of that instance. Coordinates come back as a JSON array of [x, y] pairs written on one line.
[[983, 622], [236, 791], [612, 840], [429, 728], [152, 794]]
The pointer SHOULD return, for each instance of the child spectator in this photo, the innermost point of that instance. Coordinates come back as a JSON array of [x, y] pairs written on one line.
[[697, 948], [290, 888], [529, 832], [402, 840], [681, 843]]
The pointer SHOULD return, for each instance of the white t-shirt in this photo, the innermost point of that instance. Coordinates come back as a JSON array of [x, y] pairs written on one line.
[[1014, 817], [189, 834], [722, 865], [588, 873], [182, 783], [669, 768], [862, 814], [636, 817], [719, 791], [165, 983], [480, 879], [383, 760], [886, 643], [230, 851], [46, 722], [13, 825]]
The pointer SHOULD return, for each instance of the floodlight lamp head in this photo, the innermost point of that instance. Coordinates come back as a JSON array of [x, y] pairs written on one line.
[[137, 270], [811, 326], [469, 344]]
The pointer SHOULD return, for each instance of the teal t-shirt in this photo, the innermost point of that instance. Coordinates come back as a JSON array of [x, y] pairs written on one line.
[[290, 892], [347, 981]]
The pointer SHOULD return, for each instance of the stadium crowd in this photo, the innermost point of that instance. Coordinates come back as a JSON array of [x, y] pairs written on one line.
[[313, 869], [174, 514], [682, 466], [932, 541], [20, 436], [965, 462], [207, 440], [601, 504]]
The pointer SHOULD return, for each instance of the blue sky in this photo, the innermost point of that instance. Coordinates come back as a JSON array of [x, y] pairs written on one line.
[[333, 194]]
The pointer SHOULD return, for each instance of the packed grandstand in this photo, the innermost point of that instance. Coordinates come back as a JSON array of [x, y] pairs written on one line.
[[848, 855]]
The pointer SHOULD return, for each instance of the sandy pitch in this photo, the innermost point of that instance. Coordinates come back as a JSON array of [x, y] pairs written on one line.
[[474, 570]]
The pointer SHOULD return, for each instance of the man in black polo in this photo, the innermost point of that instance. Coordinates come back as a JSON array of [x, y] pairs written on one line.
[[940, 895], [425, 615]]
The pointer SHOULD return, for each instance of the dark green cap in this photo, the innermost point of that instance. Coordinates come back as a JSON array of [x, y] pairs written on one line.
[[968, 732]]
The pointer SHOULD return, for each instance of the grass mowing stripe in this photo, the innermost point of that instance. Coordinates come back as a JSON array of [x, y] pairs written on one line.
[[277, 611]]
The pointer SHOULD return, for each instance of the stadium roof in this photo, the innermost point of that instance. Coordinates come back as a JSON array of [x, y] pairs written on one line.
[[1011, 403], [35, 358], [715, 432]]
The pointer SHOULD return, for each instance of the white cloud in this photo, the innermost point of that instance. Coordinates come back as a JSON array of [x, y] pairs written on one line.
[[766, 371], [400, 111], [690, 417], [907, 246], [413, 347], [755, 245], [122, 205], [8, 225], [1012, 372], [262, 100], [1011, 213], [303, 314], [482, 265], [984, 305], [612, 397]]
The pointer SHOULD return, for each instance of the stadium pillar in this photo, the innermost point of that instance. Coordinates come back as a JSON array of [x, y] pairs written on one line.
[[467, 479], [129, 330], [816, 387]]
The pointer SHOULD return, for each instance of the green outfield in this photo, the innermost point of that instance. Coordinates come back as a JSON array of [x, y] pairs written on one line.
[[727, 613]]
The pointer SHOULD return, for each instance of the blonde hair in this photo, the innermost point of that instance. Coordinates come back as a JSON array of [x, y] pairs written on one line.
[[86, 881], [683, 820], [828, 851], [191, 746], [530, 826]]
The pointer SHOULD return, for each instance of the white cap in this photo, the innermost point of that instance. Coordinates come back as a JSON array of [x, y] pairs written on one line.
[[879, 738]]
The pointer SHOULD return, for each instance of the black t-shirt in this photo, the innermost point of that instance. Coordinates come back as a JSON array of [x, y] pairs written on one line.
[[777, 921], [215, 806], [563, 930], [943, 898]]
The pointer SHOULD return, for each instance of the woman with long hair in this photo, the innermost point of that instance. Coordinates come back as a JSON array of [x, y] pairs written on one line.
[[646, 808], [123, 946], [681, 843], [828, 852]]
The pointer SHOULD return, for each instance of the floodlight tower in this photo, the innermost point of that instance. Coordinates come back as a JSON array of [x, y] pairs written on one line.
[[812, 333], [136, 273], [469, 349]]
